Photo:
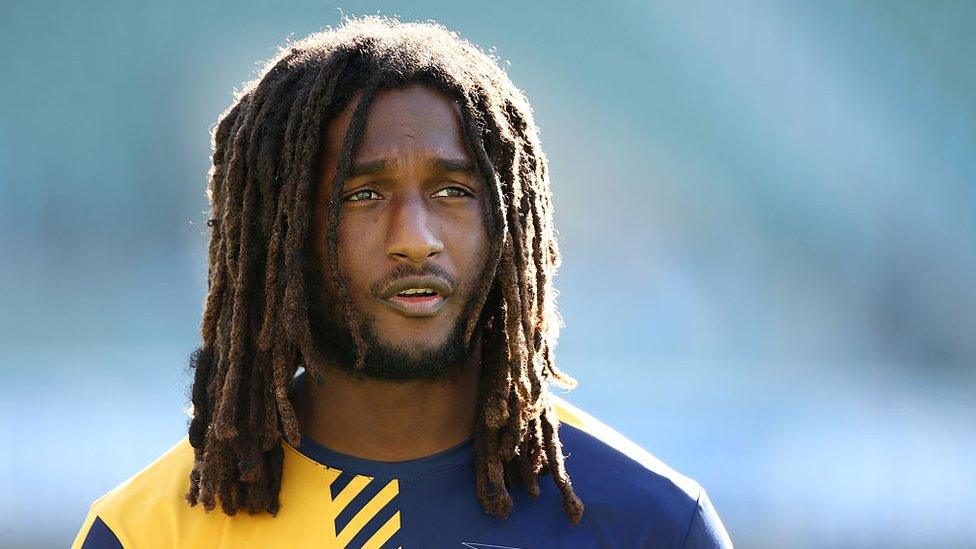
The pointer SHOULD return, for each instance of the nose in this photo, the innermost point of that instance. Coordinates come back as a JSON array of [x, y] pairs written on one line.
[[410, 237]]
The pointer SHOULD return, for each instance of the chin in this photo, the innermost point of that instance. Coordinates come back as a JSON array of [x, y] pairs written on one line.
[[410, 342], [426, 355], [412, 334]]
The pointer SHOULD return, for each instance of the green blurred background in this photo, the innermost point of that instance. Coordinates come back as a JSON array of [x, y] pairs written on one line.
[[767, 212]]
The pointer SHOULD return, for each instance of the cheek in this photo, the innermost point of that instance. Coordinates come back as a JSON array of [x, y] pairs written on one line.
[[347, 251], [476, 247], [353, 244]]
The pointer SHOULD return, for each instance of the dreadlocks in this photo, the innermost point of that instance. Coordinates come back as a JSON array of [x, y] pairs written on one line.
[[256, 328]]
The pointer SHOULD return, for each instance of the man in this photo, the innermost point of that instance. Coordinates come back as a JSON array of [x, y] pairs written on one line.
[[382, 224]]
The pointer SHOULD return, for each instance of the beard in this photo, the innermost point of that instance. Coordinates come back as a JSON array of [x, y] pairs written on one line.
[[333, 339]]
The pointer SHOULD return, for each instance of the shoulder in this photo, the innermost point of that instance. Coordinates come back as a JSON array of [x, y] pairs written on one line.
[[150, 509], [591, 438], [144, 503], [623, 484]]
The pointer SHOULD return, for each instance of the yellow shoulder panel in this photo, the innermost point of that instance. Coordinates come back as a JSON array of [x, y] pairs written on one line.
[[149, 509]]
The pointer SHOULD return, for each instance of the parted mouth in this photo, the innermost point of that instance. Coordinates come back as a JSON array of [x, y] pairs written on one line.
[[417, 287]]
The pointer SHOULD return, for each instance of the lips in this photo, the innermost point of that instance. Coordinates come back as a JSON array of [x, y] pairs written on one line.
[[417, 296]]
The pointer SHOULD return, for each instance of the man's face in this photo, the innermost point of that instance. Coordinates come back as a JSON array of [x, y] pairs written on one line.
[[412, 241]]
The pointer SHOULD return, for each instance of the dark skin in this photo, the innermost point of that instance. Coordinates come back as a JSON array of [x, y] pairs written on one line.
[[413, 199]]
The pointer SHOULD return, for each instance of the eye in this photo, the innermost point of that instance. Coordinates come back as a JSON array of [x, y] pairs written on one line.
[[452, 192], [363, 194]]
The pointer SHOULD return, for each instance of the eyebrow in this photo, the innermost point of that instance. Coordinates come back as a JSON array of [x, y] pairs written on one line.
[[443, 165], [454, 165]]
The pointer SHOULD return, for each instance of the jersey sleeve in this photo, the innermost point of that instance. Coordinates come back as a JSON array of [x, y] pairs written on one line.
[[706, 530], [95, 534]]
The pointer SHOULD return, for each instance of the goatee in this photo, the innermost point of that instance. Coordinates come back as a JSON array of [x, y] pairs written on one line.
[[333, 339]]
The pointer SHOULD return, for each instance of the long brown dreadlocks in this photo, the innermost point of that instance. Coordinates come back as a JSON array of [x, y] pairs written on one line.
[[256, 328]]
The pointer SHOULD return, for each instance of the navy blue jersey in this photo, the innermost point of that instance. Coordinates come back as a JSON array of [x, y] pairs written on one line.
[[330, 499]]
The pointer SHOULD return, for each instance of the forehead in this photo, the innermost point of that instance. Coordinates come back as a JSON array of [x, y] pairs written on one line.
[[401, 122]]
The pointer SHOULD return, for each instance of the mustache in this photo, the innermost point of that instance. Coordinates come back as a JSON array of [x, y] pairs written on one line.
[[403, 271]]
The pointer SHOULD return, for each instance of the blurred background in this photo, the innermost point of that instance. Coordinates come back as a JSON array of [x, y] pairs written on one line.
[[767, 214]]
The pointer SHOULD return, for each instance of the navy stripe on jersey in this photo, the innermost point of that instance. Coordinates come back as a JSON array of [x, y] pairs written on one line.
[[100, 536], [375, 523], [366, 495], [340, 483]]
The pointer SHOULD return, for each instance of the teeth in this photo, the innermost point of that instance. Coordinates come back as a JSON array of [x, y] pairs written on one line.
[[412, 291]]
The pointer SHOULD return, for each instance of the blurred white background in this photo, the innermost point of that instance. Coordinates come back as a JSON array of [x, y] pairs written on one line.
[[767, 214]]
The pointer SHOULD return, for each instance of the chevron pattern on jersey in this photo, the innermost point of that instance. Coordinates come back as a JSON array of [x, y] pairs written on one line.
[[363, 511]]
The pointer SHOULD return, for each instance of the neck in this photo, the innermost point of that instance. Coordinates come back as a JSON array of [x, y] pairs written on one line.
[[389, 421]]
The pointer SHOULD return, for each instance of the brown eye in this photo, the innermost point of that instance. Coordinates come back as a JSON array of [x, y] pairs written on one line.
[[363, 194], [452, 192]]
